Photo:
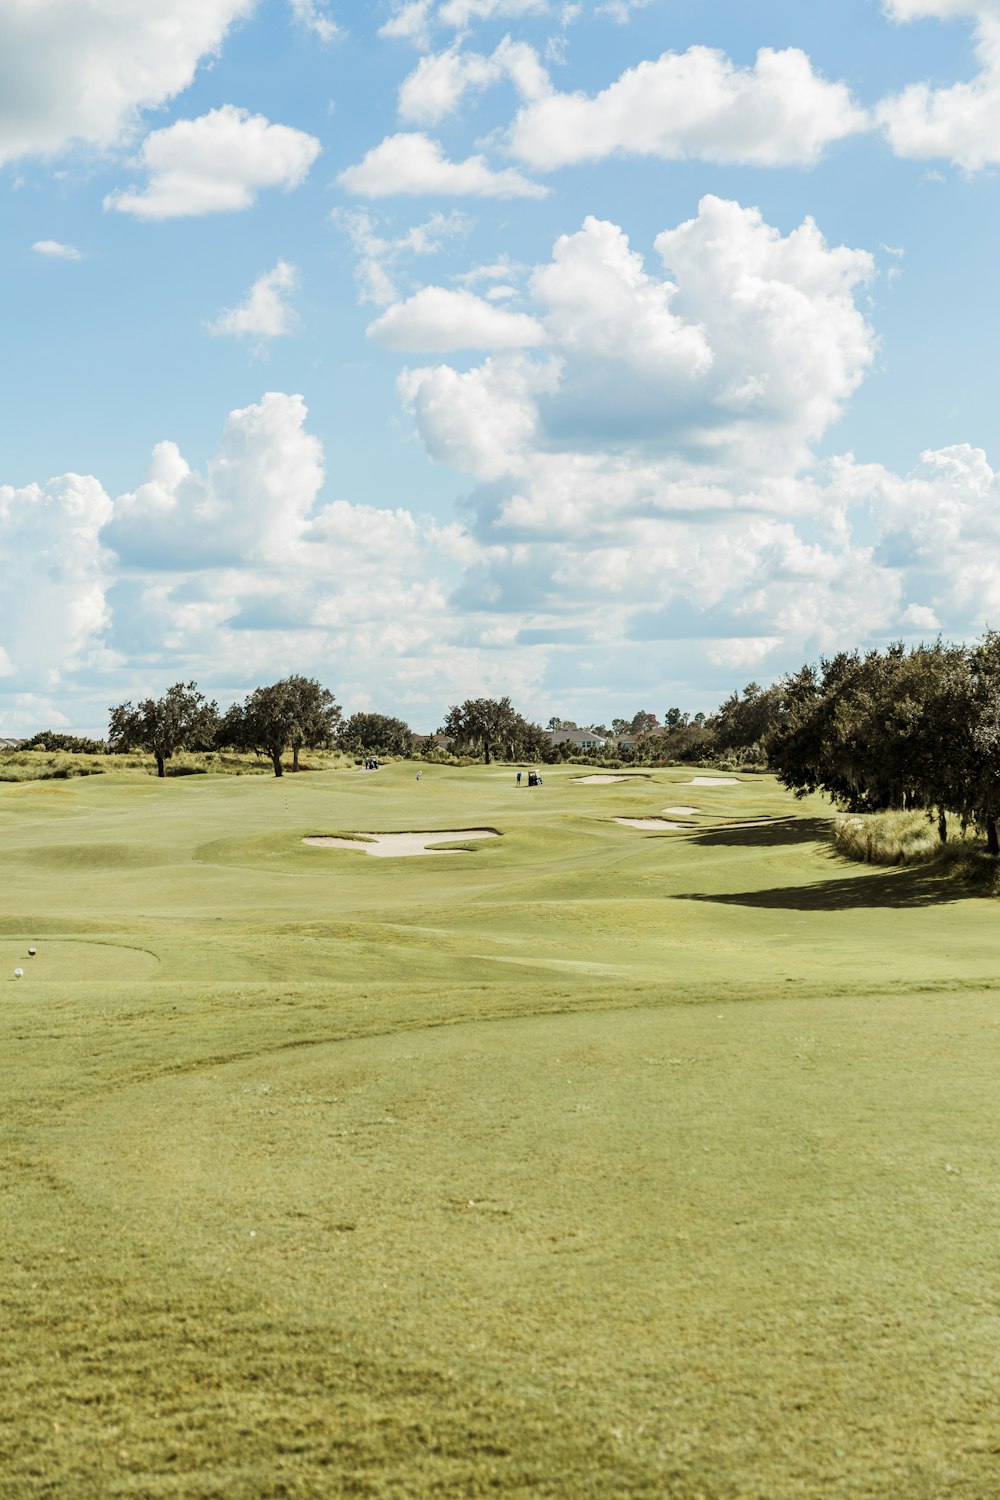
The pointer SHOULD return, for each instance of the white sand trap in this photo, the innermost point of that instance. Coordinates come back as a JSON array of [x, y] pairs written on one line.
[[647, 823], [715, 781], [604, 780], [679, 812], [397, 845]]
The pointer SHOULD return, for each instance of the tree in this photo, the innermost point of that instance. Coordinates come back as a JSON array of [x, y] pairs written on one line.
[[182, 719], [744, 721], [688, 740], [375, 734], [903, 729], [643, 723], [983, 785], [491, 726], [293, 713]]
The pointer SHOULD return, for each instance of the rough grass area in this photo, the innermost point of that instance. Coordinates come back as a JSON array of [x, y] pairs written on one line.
[[59, 765], [908, 838], [590, 1163], [887, 838], [49, 765]]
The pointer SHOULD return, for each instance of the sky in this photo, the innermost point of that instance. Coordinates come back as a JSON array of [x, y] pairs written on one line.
[[607, 354]]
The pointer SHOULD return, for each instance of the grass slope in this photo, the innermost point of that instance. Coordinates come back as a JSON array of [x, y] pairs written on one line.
[[585, 1163]]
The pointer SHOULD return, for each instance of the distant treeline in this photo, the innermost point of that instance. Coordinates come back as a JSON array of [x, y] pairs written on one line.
[[74, 744], [297, 713]]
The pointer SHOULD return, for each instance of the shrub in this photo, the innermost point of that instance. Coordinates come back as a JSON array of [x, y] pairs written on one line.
[[53, 739]]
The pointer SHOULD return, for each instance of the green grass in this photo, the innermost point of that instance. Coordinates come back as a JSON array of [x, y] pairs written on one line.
[[585, 1162]]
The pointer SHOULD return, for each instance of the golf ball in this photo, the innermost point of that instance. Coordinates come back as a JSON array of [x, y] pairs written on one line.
[[32, 952], [18, 973]]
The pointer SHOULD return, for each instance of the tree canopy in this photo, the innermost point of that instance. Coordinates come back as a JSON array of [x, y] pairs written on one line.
[[492, 727], [916, 728], [294, 713], [743, 721], [375, 734], [183, 719]]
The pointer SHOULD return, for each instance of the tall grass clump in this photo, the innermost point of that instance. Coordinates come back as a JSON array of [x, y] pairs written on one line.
[[911, 838], [887, 838]]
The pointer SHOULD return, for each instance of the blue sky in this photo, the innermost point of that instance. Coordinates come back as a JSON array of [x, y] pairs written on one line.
[[608, 355]]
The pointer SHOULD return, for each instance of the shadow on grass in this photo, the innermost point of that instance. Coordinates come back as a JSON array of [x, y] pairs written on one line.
[[882, 888], [768, 832]]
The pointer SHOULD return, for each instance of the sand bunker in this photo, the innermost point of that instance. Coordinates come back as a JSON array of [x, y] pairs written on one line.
[[647, 823], [679, 812], [397, 845], [604, 780], [715, 781]]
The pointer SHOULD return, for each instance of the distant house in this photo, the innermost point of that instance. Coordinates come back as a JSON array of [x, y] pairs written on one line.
[[432, 742], [627, 741], [580, 739]]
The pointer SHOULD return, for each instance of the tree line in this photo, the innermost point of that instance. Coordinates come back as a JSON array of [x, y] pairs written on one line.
[[298, 713], [294, 714]]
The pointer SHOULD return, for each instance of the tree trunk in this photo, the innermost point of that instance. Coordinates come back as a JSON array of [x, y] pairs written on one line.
[[486, 750], [942, 826], [276, 762], [992, 842], [161, 768], [295, 757]]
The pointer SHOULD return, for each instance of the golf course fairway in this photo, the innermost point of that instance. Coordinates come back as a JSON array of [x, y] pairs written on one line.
[[581, 1161]]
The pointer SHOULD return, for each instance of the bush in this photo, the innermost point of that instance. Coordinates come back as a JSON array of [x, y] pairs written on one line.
[[52, 739]]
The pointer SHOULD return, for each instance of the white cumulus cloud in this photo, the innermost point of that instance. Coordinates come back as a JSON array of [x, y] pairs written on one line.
[[411, 163], [694, 104], [82, 73], [53, 581], [743, 354], [483, 420], [253, 501], [960, 123], [215, 164], [440, 80], [460, 12], [600, 303], [942, 10], [56, 250], [265, 314], [437, 319], [656, 456]]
